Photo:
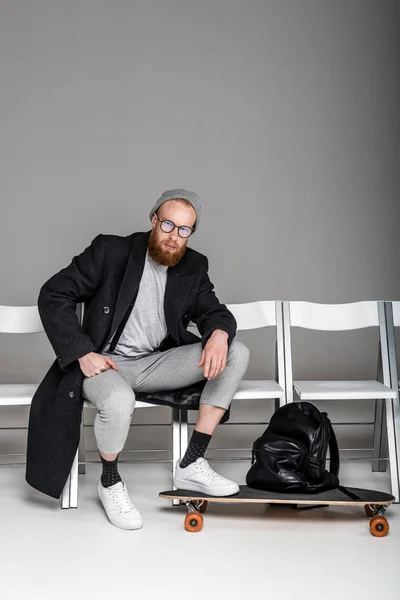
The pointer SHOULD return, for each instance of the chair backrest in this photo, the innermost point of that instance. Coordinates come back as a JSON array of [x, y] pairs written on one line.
[[332, 317], [20, 319], [254, 315], [263, 313]]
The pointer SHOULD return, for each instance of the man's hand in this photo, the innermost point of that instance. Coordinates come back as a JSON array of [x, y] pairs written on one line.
[[93, 364], [214, 354]]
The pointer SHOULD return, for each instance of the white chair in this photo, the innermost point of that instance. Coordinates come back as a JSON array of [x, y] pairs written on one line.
[[254, 315], [392, 314], [18, 319], [343, 317], [24, 320]]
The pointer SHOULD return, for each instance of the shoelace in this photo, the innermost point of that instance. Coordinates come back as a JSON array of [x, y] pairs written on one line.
[[207, 470], [122, 500]]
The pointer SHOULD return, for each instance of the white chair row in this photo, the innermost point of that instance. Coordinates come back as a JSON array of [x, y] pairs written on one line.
[[283, 317]]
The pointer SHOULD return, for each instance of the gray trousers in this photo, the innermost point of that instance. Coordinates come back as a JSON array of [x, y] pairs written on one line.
[[113, 392]]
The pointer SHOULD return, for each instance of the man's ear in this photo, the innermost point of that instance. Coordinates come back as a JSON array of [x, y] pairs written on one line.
[[153, 220]]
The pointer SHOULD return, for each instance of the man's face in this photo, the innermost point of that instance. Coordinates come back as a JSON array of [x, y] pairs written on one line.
[[168, 248]]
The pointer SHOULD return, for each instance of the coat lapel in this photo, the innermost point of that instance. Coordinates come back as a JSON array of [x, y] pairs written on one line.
[[133, 274]]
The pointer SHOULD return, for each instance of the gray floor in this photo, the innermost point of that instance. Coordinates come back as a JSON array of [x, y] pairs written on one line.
[[272, 551]]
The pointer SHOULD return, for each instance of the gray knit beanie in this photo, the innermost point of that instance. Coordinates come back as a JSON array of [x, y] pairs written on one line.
[[172, 195]]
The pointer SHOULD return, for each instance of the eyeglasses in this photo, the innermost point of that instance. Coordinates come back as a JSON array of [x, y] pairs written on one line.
[[168, 226]]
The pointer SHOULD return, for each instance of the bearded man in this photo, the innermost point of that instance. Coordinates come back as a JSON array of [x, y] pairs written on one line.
[[140, 292]]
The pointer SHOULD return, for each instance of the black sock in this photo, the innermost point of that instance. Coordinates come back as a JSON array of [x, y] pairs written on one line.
[[110, 474], [196, 449]]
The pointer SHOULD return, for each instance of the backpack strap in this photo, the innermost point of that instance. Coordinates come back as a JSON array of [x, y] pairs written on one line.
[[350, 494], [334, 462]]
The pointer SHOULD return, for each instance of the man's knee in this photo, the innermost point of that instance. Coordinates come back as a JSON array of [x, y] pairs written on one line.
[[239, 354], [118, 405]]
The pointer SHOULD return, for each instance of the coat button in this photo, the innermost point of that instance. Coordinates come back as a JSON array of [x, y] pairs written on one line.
[[106, 310], [71, 393]]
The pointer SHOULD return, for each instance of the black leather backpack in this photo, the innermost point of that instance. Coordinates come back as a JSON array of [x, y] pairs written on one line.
[[290, 456]]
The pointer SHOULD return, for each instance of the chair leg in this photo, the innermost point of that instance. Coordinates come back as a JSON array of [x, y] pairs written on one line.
[[69, 496], [176, 437], [391, 440], [64, 501], [81, 451], [176, 445], [279, 373], [184, 432], [179, 440], [393, 407], [379, 422], [379, 430], [73, 491]]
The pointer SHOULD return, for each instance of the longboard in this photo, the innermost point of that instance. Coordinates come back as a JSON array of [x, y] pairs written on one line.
[[374, 502]]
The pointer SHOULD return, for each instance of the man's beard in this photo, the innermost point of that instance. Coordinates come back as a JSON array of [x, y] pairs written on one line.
[[163, 257]]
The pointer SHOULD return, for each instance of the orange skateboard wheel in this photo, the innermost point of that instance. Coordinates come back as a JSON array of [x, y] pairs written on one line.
[[379, 526], [193, 522]]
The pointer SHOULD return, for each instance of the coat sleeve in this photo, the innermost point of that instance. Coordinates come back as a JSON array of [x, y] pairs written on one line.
[[59, 296], [209, 314]]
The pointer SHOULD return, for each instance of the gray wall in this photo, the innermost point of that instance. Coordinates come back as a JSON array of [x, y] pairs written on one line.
[[283, 115]]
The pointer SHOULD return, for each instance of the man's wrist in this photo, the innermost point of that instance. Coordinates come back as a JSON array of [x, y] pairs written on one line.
[[220, 332], [84, 356]]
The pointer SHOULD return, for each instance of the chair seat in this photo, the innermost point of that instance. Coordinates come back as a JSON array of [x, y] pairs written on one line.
[[342, 390], [20, 394], [247, 390], [252, 389], [17, 394]]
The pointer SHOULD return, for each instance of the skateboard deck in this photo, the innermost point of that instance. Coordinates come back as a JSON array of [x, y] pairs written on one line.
[[374, 502]]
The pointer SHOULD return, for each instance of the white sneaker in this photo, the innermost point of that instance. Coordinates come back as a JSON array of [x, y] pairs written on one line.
[[119, 507], [200, 477]]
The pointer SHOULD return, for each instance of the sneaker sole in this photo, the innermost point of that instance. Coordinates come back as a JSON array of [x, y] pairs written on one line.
[[182, 484]]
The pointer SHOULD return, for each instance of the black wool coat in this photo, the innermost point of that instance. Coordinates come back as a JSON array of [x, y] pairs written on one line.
[[105, 277]]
